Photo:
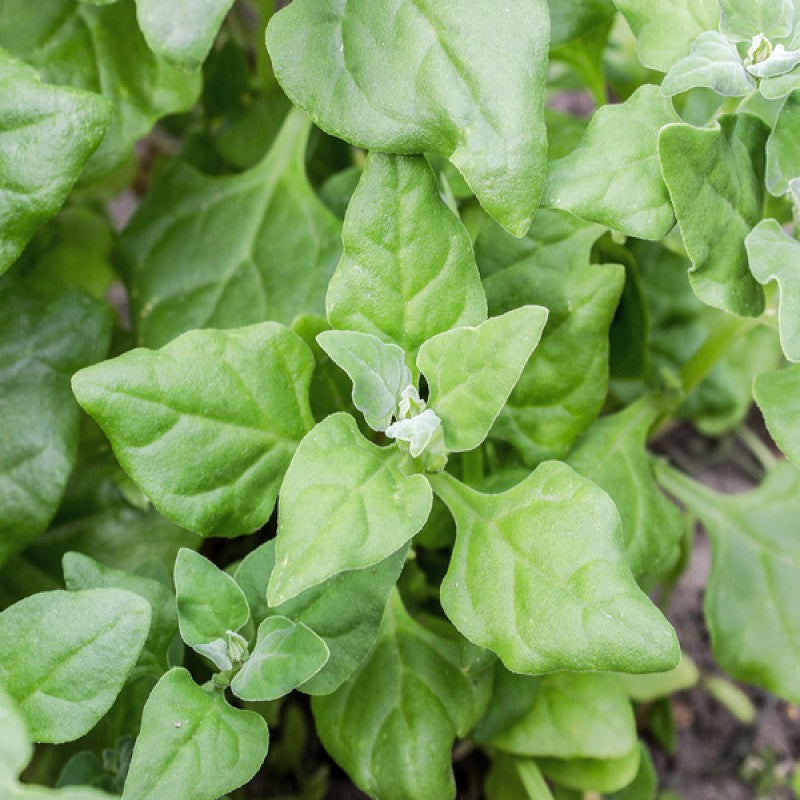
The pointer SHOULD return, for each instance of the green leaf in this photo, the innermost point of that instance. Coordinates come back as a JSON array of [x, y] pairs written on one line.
[[408, 271], [64, 656], [207, 425], [613, 454], [574, 716], [193, 745], [392, 725], [286, 655], [755, 635], [345, 504], [562, 389], [778, 86], [15, 747], [775, 256], [46, 136], [645, 785], [616, 180], [715, 63], [208, 252], [783, 147], [665, 32], [647, 688], [715, 180], [471, 372], [210, 605], [741, 20], [410, 77], [582, 610], [515, 779], [345, 611], [82, 572], [43, 340], [378, 371], [775, 393], [100, 49], [590, 774]]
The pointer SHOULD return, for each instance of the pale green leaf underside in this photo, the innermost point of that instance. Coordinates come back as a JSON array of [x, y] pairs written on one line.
[[193, 744], [591, 774], [410, 76], [715, 63], [471, 372], [15, 747], [741, 20], [755, 634], [574, 716], [47, 134], [392, 725], [64, 656], [616, 180], [646, 688], [715, 178], [207, 425], [210, 602], [539, 576], [776, 394], [408, 271], [783, 147], [345, 504], [222, 252], [377, 370], [775, 256], [285, 656], [613, 454]]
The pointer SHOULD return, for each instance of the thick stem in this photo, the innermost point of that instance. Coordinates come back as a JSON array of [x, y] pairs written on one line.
[[472, 467]]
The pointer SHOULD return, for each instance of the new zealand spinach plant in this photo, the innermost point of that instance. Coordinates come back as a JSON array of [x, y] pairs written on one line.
[[369, 379]]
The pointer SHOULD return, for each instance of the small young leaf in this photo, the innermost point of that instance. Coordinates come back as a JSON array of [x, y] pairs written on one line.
[[591, 774], [783, 147], [47, 134], [82, 572], [741, 20], [15, 747], [408, 271], [64, 656], [776, 393], [715, 178], [410, 77], [345, 611], [207, 425], [286, 655], [583, 611], [780, 62], [193, 745], [378, 371], [210, 602], [775, 256], [471, 372], [616, 180], [411, 697], [755, 634], [574, 716], [345, 504], [715, 63], [515, 779]]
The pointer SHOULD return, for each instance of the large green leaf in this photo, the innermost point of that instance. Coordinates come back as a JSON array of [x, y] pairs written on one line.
[[613, 454], [46, 136], [741, 20], [776, 394], [193, 745], [538, 575], [64, 656], [43, 340], [471, 372], [345, 611], [574, 716], [207, 425], [408, 77], [99, 48], [616, 179], [408, 271], [775, 256], [392, 725], [224, 252], [715, 177], [755, 634], [345, 504], [783, 147], [563, 387], [665, 31]]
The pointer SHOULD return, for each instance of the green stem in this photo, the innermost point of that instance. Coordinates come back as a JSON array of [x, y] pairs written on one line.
[[756, 445], [472, 467]]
